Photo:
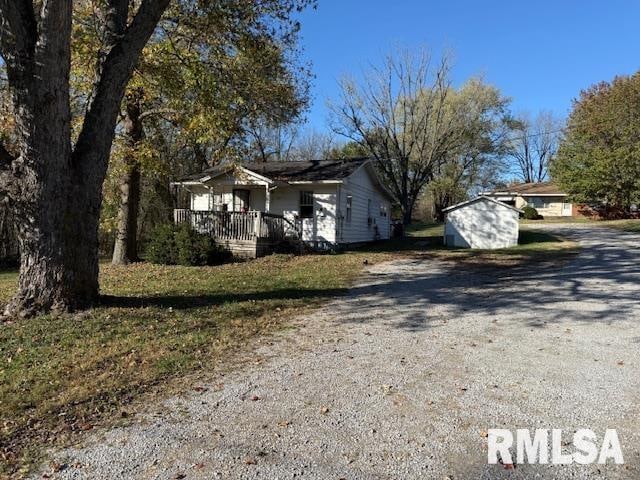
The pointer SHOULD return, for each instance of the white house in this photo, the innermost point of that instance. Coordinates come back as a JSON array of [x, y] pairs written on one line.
[[545, 197], [481, 223], [329, 203]]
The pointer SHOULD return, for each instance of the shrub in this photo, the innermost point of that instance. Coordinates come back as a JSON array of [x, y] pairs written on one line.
[[182, 245], [162, 245], [530, 213]]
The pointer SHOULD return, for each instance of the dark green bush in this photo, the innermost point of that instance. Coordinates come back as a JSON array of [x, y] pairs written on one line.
[[530, 213], [182, 245], [162, 245]]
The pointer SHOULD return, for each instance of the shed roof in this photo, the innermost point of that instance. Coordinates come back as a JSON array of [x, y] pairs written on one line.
[[305, 171], [480, 198]]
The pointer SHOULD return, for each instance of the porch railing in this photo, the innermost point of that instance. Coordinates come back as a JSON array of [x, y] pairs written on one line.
[[250, 225]]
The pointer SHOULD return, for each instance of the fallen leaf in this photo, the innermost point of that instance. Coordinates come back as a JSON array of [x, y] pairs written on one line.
[[255, 398], [200, 389], [249, 461], [85, 426], [620, 362], [324, 410], [179, 476], [484, 434]]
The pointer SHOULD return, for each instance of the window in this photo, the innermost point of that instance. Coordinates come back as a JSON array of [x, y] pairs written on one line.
[[538, 202], [217, 202], [306, 204], [349, 207], [369, 218], [383, 210]]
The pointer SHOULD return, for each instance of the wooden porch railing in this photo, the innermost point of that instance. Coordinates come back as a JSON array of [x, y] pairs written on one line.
[[250, 225]]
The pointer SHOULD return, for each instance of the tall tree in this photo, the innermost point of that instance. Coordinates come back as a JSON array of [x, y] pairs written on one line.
[[398, 115], [534, 143], [212, 74], [599, 157], [54, 187], [477, 161], [416, 126]]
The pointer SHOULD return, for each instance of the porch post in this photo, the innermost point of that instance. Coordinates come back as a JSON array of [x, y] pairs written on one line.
[[267, 198]]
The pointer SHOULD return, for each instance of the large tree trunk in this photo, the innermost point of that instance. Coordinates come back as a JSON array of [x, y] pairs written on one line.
[[54, 191], [125, 249], [407, 214]]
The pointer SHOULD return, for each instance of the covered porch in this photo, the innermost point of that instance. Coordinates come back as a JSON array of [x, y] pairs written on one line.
[[247, 234]]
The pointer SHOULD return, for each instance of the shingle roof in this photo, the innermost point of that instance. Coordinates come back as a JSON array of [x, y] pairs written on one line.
[[541, 188], [477, 199], [307, 171]]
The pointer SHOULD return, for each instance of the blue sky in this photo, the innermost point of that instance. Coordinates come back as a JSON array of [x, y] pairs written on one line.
[[539, 53]]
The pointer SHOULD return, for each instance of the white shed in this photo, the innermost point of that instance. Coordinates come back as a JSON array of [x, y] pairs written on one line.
[[481, 223]]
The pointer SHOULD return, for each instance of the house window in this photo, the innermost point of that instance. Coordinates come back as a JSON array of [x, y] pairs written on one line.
[[217, 202], [306, 204], [538, 203], [383, 210], [349, 207], [369, 218]]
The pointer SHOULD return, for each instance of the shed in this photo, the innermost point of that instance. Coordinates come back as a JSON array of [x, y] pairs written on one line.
[[482, 222]]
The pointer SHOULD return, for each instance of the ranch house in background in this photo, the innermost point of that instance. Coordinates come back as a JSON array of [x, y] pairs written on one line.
[[250, 208], [545, 197]]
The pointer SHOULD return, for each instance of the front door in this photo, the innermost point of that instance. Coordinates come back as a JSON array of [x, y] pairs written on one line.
[[307, 216], [241, 200], [566, 210]]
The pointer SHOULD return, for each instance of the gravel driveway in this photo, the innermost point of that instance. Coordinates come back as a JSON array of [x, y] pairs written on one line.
[[402, 378]]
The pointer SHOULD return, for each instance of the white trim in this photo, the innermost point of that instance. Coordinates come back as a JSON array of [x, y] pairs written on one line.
[[188, 183], [478, 198], [373, 172], [543, 194], [316, 182], [257, 175]]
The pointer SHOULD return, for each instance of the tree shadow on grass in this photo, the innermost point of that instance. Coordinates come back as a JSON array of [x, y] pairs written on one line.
[[186, 302], [600, 285]]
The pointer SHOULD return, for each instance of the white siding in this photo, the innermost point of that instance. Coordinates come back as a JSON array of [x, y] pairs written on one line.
[[362, 189], [322, 227], [482, 224]]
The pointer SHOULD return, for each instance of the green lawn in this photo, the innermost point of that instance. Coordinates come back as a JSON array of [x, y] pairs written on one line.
[[624, 225], [558, 220], [65, 374], [632, 225], [160, 324]]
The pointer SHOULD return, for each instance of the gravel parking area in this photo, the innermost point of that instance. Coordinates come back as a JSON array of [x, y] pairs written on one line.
[[403, 377]]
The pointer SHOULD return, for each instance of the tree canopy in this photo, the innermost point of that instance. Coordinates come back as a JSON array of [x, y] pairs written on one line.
[[599, 157], [408, 117]]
